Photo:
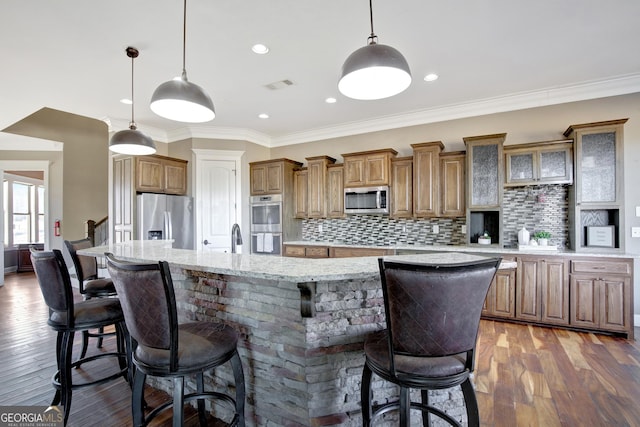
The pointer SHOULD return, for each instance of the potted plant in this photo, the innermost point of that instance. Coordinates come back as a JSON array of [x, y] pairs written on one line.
[[485, 239], [542, 237]]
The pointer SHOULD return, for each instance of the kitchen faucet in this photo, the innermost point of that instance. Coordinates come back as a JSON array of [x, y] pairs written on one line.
[[236, 237]]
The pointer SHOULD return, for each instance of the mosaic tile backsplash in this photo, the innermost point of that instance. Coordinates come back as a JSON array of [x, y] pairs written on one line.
[[537, 208]]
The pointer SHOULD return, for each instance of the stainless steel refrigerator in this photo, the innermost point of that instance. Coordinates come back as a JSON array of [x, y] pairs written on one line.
[[162, 217]]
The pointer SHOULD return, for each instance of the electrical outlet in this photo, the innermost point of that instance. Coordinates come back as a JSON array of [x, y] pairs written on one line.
[[635, 231], [463, 229], [436, 229], [404, 228], [319, 228], [637, 210]]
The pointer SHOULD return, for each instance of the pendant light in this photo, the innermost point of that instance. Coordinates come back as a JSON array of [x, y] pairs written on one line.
[[132, 141], [179, 99], [375, 71]]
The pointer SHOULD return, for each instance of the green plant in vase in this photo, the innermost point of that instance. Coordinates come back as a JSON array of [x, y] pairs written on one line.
[[542, 237]]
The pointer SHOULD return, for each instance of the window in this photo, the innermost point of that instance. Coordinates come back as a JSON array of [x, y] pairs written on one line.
[[24, 202]]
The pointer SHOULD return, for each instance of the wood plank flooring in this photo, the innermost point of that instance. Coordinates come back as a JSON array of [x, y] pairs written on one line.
[[525, 375]]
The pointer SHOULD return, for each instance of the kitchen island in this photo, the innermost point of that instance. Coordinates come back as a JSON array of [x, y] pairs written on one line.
[[302, 324]]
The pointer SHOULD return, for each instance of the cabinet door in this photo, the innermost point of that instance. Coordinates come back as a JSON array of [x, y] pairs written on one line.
[[426, 181], [316, 189], [452, 185], [555, 291], [275, 177], [402, 188], [377, 169], [335, 196], [520, 168], [175, 177], [149, 175], [555, 166], [300, 191], [354, 171], [123, 199], [585, 306], [615, 303], [528, 295], [258, 177], [500, 301], [484, 168]]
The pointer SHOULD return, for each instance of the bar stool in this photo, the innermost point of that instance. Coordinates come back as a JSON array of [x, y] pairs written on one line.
[[432, 316], [164, 348], [67, 318], [90, 284]]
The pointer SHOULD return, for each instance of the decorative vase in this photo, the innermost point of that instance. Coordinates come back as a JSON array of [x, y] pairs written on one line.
[[484, 240], [523, 236], [543, 242]]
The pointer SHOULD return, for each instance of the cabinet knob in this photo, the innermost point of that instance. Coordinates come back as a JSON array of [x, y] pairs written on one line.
[[206, 242]]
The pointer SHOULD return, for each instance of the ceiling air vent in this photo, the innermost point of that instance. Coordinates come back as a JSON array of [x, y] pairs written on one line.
[[279, 84]]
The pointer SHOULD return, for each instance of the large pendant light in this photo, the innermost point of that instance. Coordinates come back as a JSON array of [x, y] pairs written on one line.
[[179, 99], [375, 71], [132, 141]]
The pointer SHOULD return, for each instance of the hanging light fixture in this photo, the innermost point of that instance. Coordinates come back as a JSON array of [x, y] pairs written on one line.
[[131, 141], [179, 99], [375, 71]]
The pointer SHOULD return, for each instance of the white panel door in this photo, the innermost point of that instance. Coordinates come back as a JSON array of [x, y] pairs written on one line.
[[217, 204]]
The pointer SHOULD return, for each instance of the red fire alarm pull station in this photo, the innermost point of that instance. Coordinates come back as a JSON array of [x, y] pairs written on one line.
[[56, 227]]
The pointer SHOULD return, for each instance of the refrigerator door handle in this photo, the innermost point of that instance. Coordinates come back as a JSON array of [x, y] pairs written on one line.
[[167, 225]]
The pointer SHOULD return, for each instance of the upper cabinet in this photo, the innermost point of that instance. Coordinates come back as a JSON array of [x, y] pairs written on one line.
[[159, 174], [426, 178], [452, 184], [402, 187], [596, 201], [268, 176], [549, 162], [368, 168], [485, 171], [335, 195], [485, 175], [317, 185], [300, 180]]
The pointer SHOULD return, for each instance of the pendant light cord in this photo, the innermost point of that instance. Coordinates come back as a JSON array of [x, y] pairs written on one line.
[[132, 53], [372, 39], [184, 42]]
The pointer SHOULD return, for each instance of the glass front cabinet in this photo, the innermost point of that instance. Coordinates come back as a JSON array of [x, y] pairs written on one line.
[[596, 200], [549, 162]]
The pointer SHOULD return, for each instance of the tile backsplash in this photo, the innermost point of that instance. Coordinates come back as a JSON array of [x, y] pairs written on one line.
[[543, 207]]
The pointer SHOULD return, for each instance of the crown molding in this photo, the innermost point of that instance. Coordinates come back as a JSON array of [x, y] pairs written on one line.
[[620, 85]]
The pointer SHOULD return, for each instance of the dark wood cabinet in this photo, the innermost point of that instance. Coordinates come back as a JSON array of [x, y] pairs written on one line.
[[24, 256]]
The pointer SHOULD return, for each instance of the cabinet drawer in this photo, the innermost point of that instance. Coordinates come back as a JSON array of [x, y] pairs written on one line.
[[600, 267], [295, 251], [316, 252]]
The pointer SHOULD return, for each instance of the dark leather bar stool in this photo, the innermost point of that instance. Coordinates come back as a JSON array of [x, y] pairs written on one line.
[[67, 318], [164, 348], [432, 316], [90, 284]]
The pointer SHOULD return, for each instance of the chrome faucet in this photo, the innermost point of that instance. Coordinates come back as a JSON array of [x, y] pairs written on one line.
[[236, 237]]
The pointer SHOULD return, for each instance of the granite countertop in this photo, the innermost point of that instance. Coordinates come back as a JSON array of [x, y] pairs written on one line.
[[264, 266], [474, 248]]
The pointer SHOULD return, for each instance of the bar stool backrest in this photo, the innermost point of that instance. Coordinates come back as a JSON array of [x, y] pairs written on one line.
[[148, 303], [434, 310], [86, 266], [55, 284]]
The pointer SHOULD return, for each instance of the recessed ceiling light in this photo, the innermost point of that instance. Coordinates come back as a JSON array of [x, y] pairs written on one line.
[[126, 101], [263, 115], [430, 77], [330, 100], [260, 49]]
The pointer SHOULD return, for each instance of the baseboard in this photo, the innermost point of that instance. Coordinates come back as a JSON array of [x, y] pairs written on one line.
[[636, 320], [8, 270]]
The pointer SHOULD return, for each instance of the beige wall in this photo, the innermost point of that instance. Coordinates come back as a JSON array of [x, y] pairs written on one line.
[[84, 190]]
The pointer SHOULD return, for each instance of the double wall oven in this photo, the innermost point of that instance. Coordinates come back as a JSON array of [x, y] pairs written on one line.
[[266, 224]]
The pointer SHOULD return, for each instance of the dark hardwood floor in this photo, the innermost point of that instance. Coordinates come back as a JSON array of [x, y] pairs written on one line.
[[525, 376]]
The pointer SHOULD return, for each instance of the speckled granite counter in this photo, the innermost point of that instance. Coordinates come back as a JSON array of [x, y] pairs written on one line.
[[302, 324]]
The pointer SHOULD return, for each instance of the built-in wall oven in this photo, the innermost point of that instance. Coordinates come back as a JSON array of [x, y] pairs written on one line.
[[266, 224]]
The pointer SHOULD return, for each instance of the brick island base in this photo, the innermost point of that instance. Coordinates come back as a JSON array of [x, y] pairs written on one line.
[[301, 345]]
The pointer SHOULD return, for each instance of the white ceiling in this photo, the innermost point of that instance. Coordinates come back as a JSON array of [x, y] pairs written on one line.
[[491, 55]]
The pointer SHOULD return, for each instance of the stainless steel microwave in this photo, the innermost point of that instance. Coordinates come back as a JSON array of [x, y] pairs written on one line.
[[366, 200]]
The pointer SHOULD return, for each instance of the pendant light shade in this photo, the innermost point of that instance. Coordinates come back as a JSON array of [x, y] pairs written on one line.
[[131, 141], [375, 71], [179, 99], [182, 101]]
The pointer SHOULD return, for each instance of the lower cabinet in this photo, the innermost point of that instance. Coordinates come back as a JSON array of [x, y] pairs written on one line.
[[500, 301], [302, 251], [601, 295], [543, 291], [315, 251]]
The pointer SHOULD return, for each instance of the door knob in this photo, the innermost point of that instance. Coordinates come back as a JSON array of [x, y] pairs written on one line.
[[206, 242]]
